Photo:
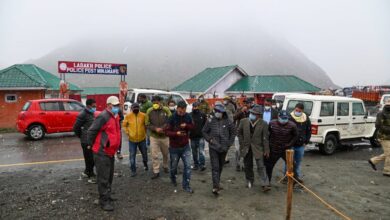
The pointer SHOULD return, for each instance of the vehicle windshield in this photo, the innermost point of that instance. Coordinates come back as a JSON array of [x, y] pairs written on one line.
[[26, 106], [307, 104]]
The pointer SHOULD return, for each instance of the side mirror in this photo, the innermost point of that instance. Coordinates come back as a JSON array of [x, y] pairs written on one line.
[[366, 115]]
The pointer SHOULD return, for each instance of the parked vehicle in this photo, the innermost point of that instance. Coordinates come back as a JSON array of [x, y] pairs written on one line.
[[47, 116], [335, 120], [132, 96], [383, 101]]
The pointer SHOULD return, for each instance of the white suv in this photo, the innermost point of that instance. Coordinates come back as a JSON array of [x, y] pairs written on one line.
[[335, 120], [132, 96]]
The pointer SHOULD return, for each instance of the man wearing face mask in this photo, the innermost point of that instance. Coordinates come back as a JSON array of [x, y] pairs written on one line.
[[220, 132], [269, 113], [282, 136], [302, 121], [172, 106], [156, 121], [83, 122], [178, 129], [104, 136], [134, 126], [383, 126], [253, 137], [204, 106], [196, 136]]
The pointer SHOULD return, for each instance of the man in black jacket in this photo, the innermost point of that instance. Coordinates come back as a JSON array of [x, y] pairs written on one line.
[[197, 141], [80, 128]]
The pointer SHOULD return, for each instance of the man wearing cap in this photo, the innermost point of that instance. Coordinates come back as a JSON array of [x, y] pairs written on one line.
[[282, 136], [134, 126], [253, 138], [178, 129], [104, 136], [241, 113], [156, 121], [220, 132], [197, 141], [383, 126]]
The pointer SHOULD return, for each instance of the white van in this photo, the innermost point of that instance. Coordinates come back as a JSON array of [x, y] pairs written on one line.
[[132, 96], [384, 98], [334, 120]]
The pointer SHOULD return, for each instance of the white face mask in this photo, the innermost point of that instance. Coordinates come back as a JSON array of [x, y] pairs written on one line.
[[267, 108], [172, 108], [218, 115]]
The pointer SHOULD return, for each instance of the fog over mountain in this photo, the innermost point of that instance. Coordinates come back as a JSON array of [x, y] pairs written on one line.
[[164, 61]]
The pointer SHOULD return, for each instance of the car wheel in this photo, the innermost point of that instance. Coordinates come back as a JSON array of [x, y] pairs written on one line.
[[36, 132], [330, 145], [374, 140]]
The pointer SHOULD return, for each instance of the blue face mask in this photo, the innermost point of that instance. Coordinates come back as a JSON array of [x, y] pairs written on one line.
[[92, 110], [115, 110], [298, 114], [252, 117], [283, 121]]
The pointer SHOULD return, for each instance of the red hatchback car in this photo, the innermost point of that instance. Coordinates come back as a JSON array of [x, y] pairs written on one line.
[[47, 116]]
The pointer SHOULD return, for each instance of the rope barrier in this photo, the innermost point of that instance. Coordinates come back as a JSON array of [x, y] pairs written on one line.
[[317, 197]]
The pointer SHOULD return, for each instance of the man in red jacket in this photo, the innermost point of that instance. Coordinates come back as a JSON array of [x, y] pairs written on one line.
[[104, 136]]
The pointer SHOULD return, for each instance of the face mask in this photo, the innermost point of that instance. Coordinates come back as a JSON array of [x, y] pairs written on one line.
[[225, 102], [298, 114], [172, 108], [218, 115], [115, 110], [195, 110], [252, 117], [277, 105], [135, 111], [274, 106], [267, 108], [156, 106], [283, 121], [92, 110]]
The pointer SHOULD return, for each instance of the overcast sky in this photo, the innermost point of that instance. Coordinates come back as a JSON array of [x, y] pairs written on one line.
[[349, 39]]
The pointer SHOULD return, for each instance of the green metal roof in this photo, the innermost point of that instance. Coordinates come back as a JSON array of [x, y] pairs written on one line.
[[100, 90], [204, 80], [29, 75], [272, 84]]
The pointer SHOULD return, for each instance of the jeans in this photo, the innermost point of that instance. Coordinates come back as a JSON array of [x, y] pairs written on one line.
[[197, 145], [185, 154], [299, 151], [217, 160], [133, 152]]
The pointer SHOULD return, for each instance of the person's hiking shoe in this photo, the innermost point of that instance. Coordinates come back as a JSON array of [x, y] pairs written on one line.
[[372, 165], [215, 191], [249, 184], [284, 180], [166, 170], [266, 188], [155, 176], [227, 161], [203, 168], [107, 206], [133, 174], [238, 168], [386, 174], [84, 175], [119, 156], [195, 168], [146, 168]]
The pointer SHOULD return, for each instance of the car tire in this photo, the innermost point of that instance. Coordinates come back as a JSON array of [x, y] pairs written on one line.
[[330, 145], [36, 132], [375, 141]]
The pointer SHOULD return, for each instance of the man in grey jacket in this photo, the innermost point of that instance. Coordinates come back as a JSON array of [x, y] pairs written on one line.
[[254, 142], [83, 122], [220, 132]]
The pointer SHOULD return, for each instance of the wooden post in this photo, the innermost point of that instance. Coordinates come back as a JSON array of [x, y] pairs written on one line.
[[290, 184]]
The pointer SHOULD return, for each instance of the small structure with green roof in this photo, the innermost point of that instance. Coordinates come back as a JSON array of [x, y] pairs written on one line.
[[211, 81]]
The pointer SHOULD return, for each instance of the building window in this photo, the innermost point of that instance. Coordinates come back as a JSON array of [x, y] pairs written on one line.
[[11, 98]]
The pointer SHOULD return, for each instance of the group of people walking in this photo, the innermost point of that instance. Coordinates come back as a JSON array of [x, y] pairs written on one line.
[[264, 134]]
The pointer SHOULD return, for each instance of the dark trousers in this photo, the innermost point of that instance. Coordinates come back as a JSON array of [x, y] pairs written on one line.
[[273, 159], [217, 160], [105, 174], [248, 167], [88, 159]]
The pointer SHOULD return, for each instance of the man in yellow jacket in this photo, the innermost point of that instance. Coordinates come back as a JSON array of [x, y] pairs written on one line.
[[134, 126]]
